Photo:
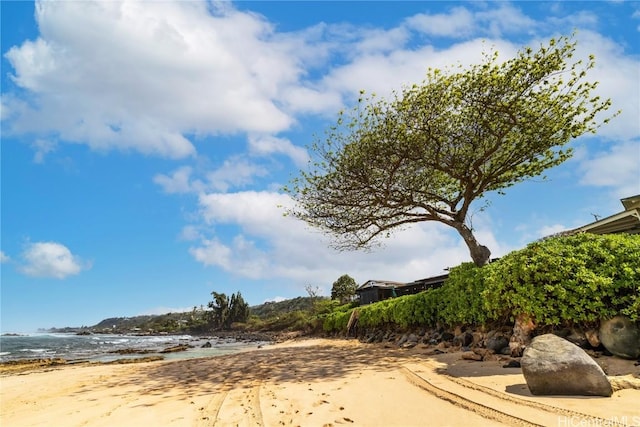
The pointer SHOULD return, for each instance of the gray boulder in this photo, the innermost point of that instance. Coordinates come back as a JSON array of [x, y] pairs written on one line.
[[553, 366], [621, 337], [497, 343]]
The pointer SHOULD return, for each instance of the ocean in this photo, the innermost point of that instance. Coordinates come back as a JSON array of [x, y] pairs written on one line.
[[101, 347]]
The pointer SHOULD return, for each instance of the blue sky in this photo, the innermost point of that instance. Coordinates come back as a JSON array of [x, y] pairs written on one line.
[[145, 144]]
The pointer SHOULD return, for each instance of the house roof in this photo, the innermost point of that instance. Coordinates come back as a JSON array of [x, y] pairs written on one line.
[[383, 284], [430, 280], [627, 221]]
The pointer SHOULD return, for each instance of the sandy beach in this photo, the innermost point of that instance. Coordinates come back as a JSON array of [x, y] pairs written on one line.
[[312, 382]]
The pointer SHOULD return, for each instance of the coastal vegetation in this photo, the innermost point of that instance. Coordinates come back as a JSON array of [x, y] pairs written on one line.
[[438, 147], [561, 281]]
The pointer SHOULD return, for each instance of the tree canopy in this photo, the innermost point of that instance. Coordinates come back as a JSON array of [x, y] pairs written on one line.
[[344, 288], [225, 311], [436, 147]]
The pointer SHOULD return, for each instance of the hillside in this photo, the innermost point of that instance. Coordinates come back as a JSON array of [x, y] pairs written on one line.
[[263, 317]]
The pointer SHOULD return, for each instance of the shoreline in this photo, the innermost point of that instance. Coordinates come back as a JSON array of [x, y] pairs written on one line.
[[306, 382]]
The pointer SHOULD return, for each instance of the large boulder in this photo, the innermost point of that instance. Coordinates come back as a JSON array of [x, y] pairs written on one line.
[[621, 337], [553, 366]]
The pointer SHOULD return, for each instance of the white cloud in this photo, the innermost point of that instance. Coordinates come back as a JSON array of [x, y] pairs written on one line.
[[212, 252], [179, 181], [165, 310], [550, 230], [42, 147], [617, 75], [616, 168], [235, 172], [4, 257], [51, 259], [141, 75], [269, 245], [266, 144], [458, 23]]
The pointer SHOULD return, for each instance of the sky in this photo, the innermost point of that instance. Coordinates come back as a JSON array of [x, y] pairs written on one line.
[[145, 144]]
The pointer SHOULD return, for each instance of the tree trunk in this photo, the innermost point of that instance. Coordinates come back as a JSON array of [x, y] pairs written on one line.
[[479, 254], [521, 337]]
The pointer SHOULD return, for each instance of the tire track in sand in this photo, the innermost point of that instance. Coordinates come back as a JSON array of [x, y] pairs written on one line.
[[462, 402], [208, 415], [233, 405], [542, 413], [567, 413]]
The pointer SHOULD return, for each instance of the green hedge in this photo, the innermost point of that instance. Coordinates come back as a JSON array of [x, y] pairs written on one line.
[[567, 280], [578, 279]]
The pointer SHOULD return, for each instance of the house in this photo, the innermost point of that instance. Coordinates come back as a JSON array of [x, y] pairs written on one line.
[[627, 221], [378, 290]]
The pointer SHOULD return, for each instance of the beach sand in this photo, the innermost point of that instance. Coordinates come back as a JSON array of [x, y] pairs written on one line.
[[312, 382]]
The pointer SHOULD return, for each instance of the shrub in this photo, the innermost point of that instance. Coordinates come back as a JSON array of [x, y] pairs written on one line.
[[460, 297], [567, 280], [578, 279]]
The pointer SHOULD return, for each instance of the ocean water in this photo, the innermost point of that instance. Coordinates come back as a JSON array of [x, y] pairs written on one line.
[[100, 347]]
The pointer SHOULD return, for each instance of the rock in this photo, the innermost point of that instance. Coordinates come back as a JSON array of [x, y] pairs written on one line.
[[465, 339], [497, 343], [553, 366], [447, 336], [176, 348], [621, 337], [578, 338], [409, 344], [478, 337], [207, 344], [593, 338]]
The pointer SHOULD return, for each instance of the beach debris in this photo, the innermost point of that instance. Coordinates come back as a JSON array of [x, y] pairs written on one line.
[[554, 366], [621, 336]]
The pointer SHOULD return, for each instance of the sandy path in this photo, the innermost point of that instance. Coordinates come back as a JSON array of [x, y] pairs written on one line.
[[306, 383]]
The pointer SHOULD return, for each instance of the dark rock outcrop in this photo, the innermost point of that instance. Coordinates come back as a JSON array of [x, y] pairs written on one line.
[[553, 366], [497, 343]]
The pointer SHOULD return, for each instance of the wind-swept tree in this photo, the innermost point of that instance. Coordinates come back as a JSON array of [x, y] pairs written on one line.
[[435, 148]]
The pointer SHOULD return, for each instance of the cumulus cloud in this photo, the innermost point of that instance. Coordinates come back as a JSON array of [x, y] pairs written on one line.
[[458, 23], [271, 245], [179, 181], [4, 257], [51, 259], [267, 144], [616, 168], [141, 75], [235, 172]]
